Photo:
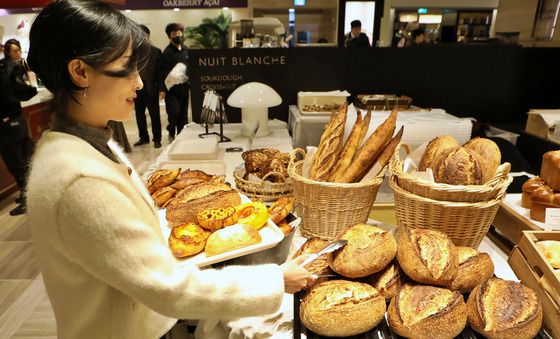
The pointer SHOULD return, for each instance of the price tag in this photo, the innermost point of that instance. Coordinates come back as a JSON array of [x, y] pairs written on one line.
[[552, 219]]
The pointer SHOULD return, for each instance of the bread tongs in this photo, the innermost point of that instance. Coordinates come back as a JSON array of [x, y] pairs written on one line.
[[333, 246]]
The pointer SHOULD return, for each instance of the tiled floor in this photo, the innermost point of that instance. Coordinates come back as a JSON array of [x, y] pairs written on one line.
[[25, 310]]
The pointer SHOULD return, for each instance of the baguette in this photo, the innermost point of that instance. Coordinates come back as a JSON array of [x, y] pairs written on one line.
[[366, 155], [326, 133], [366, 121], [329, 148], [388, 151], [349, 149]]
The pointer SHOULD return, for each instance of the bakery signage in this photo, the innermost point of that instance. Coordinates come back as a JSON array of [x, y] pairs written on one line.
[[226, 69], [163, 4]]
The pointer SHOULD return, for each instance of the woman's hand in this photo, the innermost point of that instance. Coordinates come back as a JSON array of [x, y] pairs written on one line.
[[295, 276]]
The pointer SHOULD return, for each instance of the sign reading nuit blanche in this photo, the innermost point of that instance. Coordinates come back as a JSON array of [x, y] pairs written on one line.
[[225, 70]]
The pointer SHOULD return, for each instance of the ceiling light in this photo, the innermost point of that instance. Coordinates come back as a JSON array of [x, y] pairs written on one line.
[[176, 9], [226, 8], [128, 11]]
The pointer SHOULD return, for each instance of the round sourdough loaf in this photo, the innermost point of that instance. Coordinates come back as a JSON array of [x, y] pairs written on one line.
[[427, 256], [341, 308], [369, 250], [419, 311], [474, 268], [504, 309], [187, 203], [434, 147], [489, 156], [319, 266], [388, 281], [457, 166]]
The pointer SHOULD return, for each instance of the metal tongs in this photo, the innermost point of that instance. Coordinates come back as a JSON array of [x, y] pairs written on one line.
[[333, 246]]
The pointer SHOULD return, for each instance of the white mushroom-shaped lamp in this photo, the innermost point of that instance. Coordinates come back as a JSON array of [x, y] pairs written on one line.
[[254, 99]]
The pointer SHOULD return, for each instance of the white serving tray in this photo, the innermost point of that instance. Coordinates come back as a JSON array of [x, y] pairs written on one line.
[[270, 233], [513, 201], [215, 167], [189, 149]]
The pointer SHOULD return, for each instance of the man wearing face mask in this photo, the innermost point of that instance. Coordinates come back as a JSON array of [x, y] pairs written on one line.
[[177, 96]]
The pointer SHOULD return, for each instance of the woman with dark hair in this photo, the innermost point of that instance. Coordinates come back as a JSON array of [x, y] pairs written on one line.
[[106, 266], [16, 145]]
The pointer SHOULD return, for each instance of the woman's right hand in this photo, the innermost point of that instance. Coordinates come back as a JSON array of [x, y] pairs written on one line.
[[295, 276]]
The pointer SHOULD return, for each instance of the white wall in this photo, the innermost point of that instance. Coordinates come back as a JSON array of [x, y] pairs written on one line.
[[156, 20], [8, 29]]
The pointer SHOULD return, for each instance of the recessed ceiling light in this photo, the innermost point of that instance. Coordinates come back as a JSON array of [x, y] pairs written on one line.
[[128, 10], [176, 9], [226, 8]]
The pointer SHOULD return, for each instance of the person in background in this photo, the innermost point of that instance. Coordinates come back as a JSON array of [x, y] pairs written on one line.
[[107, 268], [356, 38], [177, 97], [418, 37], [16, 145], [149, 96]]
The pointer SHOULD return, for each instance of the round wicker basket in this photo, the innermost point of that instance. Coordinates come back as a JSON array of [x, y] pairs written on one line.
[[445, 192], [327, 208], [466, 223], [264, 190]]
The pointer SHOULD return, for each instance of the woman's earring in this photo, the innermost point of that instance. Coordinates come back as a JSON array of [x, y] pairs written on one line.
[[84, 92]]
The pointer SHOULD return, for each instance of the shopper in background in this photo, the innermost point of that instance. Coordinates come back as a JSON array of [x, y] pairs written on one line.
[[16, 146], [177, 96], [108, 270], [356, 38], [418, 37], [149, 96]]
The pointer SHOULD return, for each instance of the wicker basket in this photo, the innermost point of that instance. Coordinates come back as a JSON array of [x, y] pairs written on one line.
[[326, 208], [465, 223], [263, 190], [445, 192]]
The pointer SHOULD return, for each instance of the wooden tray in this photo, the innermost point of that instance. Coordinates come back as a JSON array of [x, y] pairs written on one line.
[[530, 266]]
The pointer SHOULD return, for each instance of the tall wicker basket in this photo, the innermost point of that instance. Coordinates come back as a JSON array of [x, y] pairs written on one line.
[[466, 223], [327, 208]]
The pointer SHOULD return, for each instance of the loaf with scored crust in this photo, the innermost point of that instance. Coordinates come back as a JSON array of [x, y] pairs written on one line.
[[427, 312], [187, 203], [504, 309], [427, 256], [341, 308]]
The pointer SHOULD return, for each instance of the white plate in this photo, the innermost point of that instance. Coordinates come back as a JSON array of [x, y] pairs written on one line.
[[214, 167], [189, 149], [514, 202], [270, 233]]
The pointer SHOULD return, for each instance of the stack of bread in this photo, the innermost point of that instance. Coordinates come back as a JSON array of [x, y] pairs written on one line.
[[423, 279], [540, 193], [222, 229], [349, 161], [462, 200], [474, 163], [167, 184]]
